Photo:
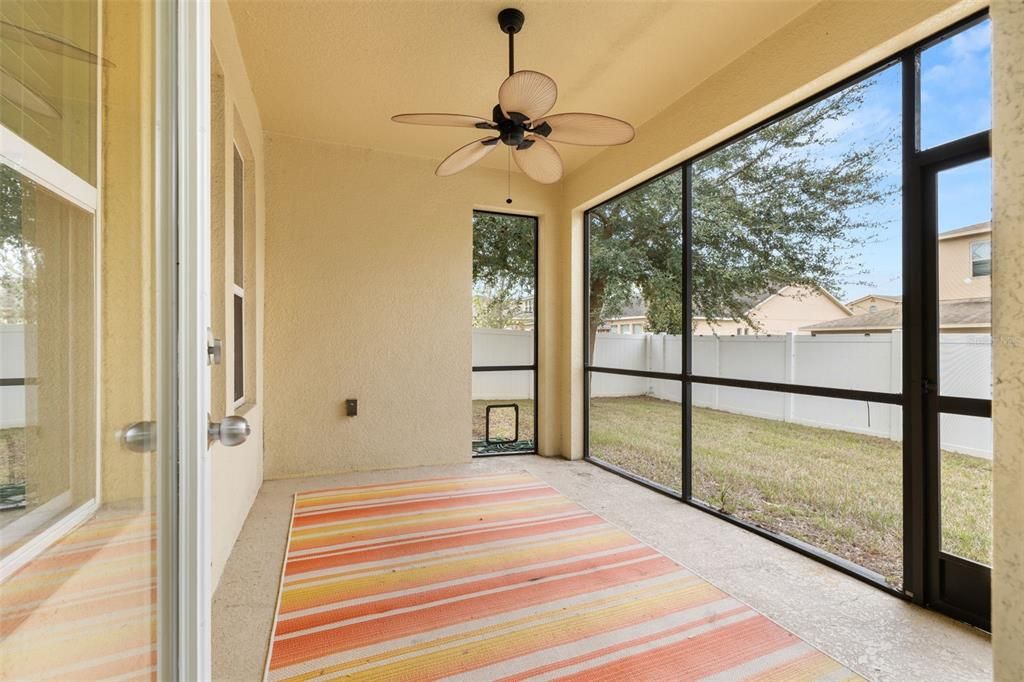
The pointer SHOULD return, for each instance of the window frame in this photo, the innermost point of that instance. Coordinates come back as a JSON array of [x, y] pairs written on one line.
[[920, 429], [239, 228], [975, 261]]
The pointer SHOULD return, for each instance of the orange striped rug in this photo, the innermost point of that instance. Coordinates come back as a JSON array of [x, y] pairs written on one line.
[[85, 609], [500, 577]]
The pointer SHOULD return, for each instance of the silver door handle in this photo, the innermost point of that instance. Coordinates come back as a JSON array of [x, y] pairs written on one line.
[[232, 431], [139, 437]]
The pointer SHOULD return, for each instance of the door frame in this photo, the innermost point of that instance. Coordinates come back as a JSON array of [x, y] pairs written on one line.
[[184, 202], [535, 364], [956, 586]]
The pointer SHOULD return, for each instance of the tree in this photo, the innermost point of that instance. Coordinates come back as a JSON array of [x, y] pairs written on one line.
[[503, 269], [18, 258], [781, 206], [636, 252]]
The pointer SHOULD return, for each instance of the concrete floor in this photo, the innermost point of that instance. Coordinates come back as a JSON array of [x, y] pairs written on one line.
[[877, 635]]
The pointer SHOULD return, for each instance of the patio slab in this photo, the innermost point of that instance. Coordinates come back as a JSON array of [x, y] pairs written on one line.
[[877, 635]]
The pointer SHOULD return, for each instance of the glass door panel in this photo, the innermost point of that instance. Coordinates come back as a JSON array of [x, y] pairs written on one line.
[[83, 467]]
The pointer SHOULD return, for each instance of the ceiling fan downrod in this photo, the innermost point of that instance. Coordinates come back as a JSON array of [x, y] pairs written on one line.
[[511, 22]]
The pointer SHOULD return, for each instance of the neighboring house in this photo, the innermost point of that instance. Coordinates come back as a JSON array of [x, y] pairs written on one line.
[[517, 313], [787, 310], [632, 320], [524, 317], [872, 303], [965, 262], [960, 316], [965, 291]]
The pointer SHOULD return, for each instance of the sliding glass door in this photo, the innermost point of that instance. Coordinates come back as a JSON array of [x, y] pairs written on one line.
[[88, 462], [504, 334], [792, 331]]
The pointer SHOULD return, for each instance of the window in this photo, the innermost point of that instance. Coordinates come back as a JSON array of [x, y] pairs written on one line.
[[981, 258], [238, 279], [504, 334]]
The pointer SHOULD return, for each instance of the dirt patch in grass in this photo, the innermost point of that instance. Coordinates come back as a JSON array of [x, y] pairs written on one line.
[[840, 491]]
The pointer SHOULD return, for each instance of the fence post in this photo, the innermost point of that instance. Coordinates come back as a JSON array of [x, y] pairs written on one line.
[[649, 360], [790, 376], [717, 370], [896, 383]]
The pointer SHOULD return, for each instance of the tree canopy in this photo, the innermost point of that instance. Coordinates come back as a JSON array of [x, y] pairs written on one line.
[[18, 259], [503, 269], [781, 206], [789, 204]]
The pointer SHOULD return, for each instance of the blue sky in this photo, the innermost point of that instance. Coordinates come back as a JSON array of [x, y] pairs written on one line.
[[955, 101]]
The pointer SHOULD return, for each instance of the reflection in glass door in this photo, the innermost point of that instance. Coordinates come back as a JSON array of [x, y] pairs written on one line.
[[504, 334], [84, 414]]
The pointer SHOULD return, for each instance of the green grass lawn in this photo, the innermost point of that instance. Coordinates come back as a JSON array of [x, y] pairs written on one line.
[[12, 456], [840, 491]]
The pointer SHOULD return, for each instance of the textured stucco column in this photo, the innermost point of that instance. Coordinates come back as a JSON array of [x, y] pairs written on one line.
[[1008, 335]]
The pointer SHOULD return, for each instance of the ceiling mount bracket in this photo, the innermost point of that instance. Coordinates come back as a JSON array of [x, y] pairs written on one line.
[[511, 20]]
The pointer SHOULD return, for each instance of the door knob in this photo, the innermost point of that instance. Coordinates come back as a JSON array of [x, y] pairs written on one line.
[[232, 431], [139, 437]]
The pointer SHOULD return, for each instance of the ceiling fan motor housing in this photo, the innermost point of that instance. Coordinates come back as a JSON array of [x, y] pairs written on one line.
[[511, 128]]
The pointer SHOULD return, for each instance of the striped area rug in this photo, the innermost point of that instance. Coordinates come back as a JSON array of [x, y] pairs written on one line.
[[500, 577], [85, 609]]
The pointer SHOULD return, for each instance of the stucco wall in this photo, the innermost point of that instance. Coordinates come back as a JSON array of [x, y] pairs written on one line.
[[236, 473], [1008, 337], [820, 47], [369, 276]]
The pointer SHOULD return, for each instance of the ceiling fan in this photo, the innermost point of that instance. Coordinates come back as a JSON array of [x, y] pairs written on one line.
[[519, 121], [13, 89]]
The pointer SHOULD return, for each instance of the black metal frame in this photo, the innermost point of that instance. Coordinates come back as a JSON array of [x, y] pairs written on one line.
[[946, 583], [953, 585], [535, 365], [487, 422]]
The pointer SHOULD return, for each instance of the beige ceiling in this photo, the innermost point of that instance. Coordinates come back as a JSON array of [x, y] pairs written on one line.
[[338, 70]]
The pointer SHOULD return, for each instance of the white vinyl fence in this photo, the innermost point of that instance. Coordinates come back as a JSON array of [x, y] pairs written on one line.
[[12, 366], [852, 361], [855, 361]]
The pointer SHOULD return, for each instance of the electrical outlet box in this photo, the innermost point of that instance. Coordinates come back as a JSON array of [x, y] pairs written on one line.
[[351, 407]]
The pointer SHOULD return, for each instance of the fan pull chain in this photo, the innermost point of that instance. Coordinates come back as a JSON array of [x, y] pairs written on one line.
[[508, 172]]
